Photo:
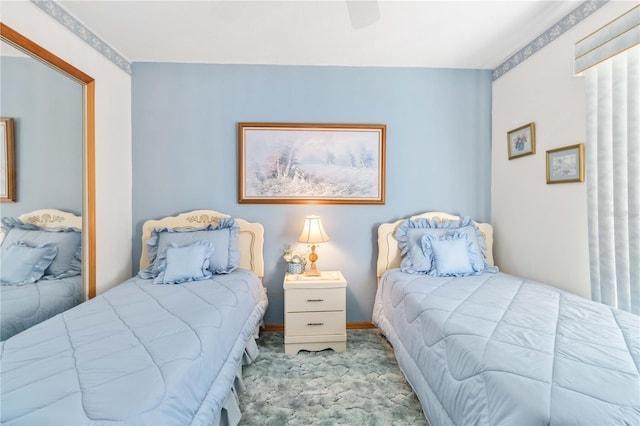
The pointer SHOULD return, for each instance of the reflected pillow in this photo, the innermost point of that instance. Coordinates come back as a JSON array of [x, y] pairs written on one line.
[[68, 261], [223, 235], [450, 255], [23, 263], [178, 264], [409, 236]]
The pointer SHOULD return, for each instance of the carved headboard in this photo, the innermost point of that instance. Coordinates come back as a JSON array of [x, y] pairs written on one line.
[[50, 218], [389, 252], [250, 236]]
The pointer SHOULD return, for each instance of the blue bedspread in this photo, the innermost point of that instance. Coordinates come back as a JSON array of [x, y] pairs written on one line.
[[137, 354], [22, 306], [495, 349]]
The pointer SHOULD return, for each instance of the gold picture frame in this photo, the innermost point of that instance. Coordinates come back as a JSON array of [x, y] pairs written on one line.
[[303, 163], [522, 141], [566, 164], [7, 161]]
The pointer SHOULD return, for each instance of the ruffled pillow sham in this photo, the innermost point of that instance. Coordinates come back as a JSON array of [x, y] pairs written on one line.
[[24, 263], [451, 255], [414, 260], [182, 263], [223, 236], [68, 241]]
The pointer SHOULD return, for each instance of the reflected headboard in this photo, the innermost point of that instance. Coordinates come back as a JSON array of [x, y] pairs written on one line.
[[250, 236], [389, 252], [50, 218]]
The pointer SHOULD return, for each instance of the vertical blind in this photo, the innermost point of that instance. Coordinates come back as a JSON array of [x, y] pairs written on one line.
[[610, 59]]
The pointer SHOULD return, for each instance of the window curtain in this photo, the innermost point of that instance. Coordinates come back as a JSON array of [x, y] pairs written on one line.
[[613, 178], [609, 58]]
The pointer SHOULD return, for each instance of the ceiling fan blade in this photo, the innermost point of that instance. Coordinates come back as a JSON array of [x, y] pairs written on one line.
[[363, 12]]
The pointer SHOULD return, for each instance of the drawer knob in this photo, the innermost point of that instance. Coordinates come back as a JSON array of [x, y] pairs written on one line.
[[315, 300], [315, 323]]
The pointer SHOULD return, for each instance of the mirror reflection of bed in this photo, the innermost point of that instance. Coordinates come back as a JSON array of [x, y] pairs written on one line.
[[47, 106], [40, 268]]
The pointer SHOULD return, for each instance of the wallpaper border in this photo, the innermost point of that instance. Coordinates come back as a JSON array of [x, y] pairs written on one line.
[[56, 11], [580, 13], [583, 11]]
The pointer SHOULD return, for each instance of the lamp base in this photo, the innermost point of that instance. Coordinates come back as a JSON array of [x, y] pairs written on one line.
[[312, 271]]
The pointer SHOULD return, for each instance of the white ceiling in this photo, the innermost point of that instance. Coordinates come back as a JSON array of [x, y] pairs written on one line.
[[452, 34]]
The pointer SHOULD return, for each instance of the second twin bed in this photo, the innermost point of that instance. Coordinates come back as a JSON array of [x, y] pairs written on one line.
[[483, 347]]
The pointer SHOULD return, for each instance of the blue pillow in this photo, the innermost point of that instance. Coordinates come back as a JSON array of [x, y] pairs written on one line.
[[409, 236], [178, 264], [68, 261], [450, 255], [223, 236], [23, 263]]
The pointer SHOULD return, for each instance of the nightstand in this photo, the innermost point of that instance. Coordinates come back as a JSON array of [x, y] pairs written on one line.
[[315, 312]]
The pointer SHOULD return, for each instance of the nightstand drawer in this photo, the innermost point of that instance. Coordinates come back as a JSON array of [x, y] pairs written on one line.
[[315, 300], [314, 323]]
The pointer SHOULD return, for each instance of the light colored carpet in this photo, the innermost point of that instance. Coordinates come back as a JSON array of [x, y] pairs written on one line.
[[362, 386]]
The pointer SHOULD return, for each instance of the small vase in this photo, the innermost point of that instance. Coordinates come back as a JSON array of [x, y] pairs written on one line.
[[295, 268]]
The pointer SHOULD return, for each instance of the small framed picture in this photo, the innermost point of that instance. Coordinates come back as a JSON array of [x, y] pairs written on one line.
[[566, 164], [7, 161], [522, 141]]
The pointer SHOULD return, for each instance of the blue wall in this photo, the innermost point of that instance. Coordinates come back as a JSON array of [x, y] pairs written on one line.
[[185, 152], [47, 110]]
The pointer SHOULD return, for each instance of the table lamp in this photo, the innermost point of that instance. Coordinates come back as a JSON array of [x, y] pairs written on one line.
[[313, 233]]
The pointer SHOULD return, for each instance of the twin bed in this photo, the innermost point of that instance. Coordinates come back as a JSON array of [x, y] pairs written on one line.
[[24, 304], [485, 347], [145, 352]]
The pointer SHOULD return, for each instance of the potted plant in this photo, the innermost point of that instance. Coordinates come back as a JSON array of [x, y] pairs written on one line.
[[296, 261]]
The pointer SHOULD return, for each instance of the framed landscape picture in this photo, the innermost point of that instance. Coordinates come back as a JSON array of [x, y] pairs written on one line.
[[566, 164], [7, 161], [522, 141], [311, 163]]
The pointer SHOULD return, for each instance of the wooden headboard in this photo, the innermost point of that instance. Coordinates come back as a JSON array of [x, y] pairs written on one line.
[[50, 218], [250, 236], [389, 252]]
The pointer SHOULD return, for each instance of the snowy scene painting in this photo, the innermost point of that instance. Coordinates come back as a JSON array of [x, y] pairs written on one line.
[[7, 161], [565, 164], [299, 163]]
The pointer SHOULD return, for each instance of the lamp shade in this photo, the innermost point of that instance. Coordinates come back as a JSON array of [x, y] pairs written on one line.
[[313, 232]]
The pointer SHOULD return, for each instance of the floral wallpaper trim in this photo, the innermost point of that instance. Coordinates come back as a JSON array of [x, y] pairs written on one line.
[[580, 13], [56, 11]]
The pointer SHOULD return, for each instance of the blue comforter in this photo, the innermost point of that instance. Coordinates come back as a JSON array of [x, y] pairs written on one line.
[[495, 349], [137, 354], [22, 306]]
